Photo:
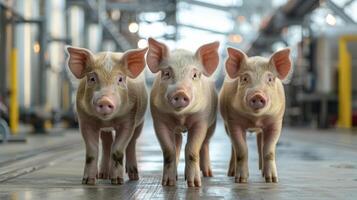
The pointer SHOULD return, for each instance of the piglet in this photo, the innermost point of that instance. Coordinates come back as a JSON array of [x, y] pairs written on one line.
[[252, 99], [111, 103], [183, 98]]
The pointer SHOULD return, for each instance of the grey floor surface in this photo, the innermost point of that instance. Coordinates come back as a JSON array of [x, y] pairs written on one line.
[[311, 164]]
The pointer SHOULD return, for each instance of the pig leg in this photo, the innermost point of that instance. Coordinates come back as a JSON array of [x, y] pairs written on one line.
[[91, 140], [107, 140], [195, 139], [232, 163], [259, 147], [270, 139], [205, 163], [238, 137], [178, 141], [167, 142], [122, 138], [131, 165]]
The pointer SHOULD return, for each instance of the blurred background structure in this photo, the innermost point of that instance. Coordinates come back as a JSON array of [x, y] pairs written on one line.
[[35, 32], [35, 88]]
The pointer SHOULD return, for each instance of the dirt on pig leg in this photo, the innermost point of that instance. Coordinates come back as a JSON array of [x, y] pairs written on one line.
[[131, 165], [122, 138]]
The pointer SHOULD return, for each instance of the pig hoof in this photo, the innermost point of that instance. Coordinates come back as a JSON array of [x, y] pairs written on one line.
[[88, 181], [117, 181], [268, 179], [195, 183], [271, 179], [275, 179], [231, 173], [241, 180], [190, 184], [103, 175], [168, 182], [132, 173], [133, 176], [207, 173]]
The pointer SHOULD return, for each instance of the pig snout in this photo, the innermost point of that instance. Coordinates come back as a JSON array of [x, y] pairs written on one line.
[[257, 101], [105, 106], [179, 99]]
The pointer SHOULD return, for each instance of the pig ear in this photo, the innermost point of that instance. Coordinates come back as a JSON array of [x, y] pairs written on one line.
[[134, 61], [77, 60], [157, 52], [234, 61], [208, 56], [282, 62]]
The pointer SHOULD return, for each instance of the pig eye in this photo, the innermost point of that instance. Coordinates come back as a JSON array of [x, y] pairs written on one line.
[[245, 79], [166, 74], [270, 79], [121, 79], [195, 76], [92, 78]]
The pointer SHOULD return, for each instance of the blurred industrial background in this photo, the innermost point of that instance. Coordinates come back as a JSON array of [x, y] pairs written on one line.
[[36, 94]]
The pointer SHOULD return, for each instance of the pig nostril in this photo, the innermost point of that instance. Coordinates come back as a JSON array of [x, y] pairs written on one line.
[[185, 99], [253, 100], [176, 98], [101, 106], [110, 106]]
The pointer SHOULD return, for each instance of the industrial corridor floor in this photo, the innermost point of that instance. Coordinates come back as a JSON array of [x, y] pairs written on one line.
[[311, 164]]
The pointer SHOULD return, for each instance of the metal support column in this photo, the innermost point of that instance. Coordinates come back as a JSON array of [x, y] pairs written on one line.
[[2, 52], [42, 62]]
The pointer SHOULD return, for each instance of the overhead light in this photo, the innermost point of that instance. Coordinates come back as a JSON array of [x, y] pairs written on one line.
[[36, 47], [330, 20], [235, 38], [142, 43], [115, 15], [241, 18], [133, 27]]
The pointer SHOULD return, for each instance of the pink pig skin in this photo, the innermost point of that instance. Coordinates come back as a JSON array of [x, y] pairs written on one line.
[[252, 98], [183, 97], [111, 103]]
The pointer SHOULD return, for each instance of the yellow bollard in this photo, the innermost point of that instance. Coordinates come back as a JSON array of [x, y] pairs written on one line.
[[14, 104], [344, 82]]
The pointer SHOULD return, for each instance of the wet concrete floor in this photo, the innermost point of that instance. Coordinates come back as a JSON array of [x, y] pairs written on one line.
[[311, 164]]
